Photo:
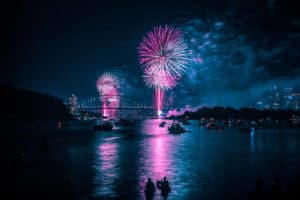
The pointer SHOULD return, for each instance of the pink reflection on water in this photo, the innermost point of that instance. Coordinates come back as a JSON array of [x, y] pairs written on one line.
[[159, 158], [106, 168], [108, 155], [157, 153]]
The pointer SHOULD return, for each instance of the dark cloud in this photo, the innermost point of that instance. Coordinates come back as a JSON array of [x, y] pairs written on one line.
[[232, 68]]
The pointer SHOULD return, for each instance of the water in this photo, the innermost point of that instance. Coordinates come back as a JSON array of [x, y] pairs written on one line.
[[201, 164]]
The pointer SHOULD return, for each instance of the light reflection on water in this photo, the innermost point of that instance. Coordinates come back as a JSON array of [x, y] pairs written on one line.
[[252, 141], [106, 169], [156, 154], [201, 164]]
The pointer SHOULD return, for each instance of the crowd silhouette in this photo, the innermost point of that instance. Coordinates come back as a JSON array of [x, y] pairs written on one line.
[[163, 185], [275, 191]]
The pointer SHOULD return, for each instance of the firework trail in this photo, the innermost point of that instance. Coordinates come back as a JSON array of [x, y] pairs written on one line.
[[108, 86], [163, 56], [161, 81]]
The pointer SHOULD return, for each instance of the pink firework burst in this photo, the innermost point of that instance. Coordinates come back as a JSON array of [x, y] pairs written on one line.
[[107, 83], [164, 49], [159, 79], [108, 86]]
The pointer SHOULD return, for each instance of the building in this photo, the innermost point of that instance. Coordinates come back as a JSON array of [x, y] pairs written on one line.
[[275, 100], [279, 98], [259, 105], [287, 98], [73, 104], [296, 101]]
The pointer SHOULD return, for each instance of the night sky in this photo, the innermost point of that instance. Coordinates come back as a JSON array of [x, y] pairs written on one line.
[[61, 47]]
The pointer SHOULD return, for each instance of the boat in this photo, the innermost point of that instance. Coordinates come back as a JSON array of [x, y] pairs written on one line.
[[103, 125], [176, 128], [202, 122], [230, 122], [213, 126], [162, 124]]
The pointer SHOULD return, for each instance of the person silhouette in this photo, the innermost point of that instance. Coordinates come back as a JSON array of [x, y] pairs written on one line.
[[150, 189], [164, 187]]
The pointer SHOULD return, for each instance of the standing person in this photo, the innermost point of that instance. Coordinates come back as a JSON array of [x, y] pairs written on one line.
[[165, 182], [150, 189]]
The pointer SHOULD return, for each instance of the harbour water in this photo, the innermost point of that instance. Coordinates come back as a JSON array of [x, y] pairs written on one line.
[[201, 164]]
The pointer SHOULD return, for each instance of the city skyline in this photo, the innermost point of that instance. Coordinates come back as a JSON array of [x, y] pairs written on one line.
[[279, 98]]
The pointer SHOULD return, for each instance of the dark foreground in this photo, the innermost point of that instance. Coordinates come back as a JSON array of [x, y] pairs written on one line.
[[44, 162]]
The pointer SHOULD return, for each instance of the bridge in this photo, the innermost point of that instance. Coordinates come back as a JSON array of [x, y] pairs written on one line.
[[125, 103], [128, 107]]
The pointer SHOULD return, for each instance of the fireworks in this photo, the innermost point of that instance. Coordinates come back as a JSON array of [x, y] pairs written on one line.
[[164, 49], [107, 83], [163, 56], [159, 79], [108, 86]]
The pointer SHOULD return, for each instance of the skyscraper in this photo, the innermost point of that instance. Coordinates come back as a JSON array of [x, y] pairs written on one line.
[[296, 101], [276, 98], [287, 98]]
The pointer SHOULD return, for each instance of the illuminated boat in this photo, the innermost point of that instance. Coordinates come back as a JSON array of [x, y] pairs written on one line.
[[202, 121], [211, 125], [103, 126], [162, 124], [176, 128]]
